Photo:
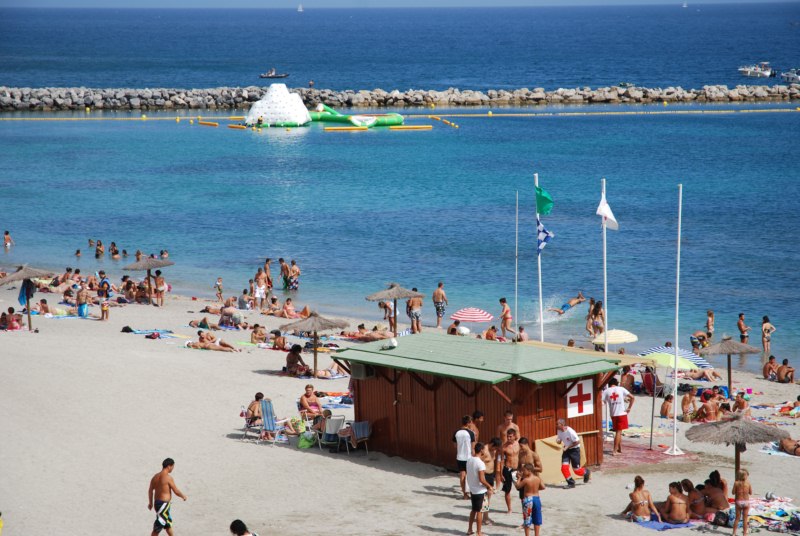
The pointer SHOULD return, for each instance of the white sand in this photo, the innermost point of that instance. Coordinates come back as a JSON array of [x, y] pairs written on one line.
[[87, 414]]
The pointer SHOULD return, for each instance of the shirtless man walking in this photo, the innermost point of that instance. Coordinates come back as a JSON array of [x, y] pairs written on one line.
[[510, 454], [414, 310], [162, 486], [439, 303], [570, 304], [261, 287]]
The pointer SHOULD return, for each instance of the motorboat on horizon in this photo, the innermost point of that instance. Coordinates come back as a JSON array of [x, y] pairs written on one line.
[[791, 76], [759, 70], [300, 8]]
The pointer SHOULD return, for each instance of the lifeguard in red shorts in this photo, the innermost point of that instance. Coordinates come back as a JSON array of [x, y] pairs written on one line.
[[620, 402]]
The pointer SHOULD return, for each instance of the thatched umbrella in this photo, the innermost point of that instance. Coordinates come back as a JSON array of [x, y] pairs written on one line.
[[729, 346], [737, 430], [148, 263], [315, 323], [394, 292], [25, 273]]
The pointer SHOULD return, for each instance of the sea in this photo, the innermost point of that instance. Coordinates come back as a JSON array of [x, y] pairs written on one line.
[[358, 210]]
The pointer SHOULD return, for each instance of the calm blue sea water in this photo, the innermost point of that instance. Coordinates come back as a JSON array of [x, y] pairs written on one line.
[[358, 210], [392, 48]]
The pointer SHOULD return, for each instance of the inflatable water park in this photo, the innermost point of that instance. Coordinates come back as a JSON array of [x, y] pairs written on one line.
[[281, 108]]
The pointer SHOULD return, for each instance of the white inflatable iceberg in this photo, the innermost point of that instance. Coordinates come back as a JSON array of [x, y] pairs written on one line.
[[278, 108]]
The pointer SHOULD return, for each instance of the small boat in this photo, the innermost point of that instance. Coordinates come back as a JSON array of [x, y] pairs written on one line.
[[626, 85], [791, 76], [300, 8], [273, 75], [760, 70]]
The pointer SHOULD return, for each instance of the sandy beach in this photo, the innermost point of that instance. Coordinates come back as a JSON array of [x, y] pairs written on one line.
[[88, 413]]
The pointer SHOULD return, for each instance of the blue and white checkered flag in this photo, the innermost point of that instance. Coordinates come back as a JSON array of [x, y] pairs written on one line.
[[543, 236]]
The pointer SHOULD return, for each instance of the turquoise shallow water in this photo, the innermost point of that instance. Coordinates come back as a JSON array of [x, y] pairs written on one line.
[[361, 209]]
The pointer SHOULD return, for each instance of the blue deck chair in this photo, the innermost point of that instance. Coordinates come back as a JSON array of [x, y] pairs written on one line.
[[255, 428], [361, 432], [268, 422]]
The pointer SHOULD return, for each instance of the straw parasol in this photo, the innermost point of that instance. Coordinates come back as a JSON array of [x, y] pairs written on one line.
[[736, 430], [25, 273], [394, 292], [729, 346], [315, 323], [148, 263]]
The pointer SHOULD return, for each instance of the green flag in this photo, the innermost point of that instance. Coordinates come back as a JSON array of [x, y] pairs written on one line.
[[544, 202]]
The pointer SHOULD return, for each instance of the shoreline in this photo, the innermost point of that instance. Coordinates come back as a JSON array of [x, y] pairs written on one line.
[[16, 99]]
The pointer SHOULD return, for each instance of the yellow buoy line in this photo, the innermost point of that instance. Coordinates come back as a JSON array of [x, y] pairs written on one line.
[[441, 117]]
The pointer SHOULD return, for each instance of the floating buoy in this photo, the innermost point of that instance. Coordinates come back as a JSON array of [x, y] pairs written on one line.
[[88, 109], [259, 130], [207, 123], [177, 119], [288, 129], [191, 121], [144, 117], [665, 103], [238, 127], [411, 127], [490, 113]]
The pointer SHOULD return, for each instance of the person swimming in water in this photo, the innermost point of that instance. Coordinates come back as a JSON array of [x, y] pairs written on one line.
[[570, 304]]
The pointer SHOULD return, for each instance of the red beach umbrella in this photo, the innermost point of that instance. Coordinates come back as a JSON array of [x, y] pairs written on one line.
[[472, 314]]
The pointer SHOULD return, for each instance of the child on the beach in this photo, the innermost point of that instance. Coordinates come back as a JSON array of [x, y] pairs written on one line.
[[104, 306], [741, 494], [218, 286]]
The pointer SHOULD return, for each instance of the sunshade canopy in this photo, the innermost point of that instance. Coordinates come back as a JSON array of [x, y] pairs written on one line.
[[616, 336], [729, 346], [736, 430], [472, 314], [148, 263], [663, 359], [479, 360], [691, 356], [394, 292], [314, 322], [25, 272]]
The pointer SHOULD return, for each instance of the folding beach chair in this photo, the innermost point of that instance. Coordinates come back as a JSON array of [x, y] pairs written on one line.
[[268, 423], [330, 435], [650, 382], [361, 432]]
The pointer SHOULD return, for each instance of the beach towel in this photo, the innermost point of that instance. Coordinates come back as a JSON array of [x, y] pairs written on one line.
[[772, 449], [336, 377], [337, 406], [149, 331], [658, 525]]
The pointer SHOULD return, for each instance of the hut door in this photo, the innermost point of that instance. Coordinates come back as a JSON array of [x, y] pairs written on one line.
[[408, 421], [545, 411]]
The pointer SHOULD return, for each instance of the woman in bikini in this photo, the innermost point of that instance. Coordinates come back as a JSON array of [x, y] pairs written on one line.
[[505, 318], [598, 318], [589, 324], [310, 405], [741, 495], [641, 506], [767, 330], [697, 503], [676, 507]]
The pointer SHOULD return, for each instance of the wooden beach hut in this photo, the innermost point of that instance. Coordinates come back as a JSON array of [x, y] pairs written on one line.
[[416, 393]]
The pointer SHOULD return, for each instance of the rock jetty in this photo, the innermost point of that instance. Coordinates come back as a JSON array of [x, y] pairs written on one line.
[[230, 98]]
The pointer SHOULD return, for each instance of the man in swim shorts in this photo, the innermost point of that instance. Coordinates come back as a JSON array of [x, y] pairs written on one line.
[[439, 303], [744, 329], [414, 310], [529, 485], [570, 304], [159, 495], [260, 291], [82, 300], [7, 240], [785, 372], [620, 402], [510, 454]]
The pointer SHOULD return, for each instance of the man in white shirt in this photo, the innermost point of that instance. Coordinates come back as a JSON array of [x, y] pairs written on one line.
[[620, 402], [569, 439], [464, 439], [478, 487]]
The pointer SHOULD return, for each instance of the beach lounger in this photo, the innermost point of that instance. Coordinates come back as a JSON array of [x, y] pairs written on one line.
[[650, 382], [361, 432], [269, 423], [330, 436]]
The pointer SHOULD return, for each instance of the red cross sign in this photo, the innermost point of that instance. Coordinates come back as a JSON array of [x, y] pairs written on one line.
[[580, 399]]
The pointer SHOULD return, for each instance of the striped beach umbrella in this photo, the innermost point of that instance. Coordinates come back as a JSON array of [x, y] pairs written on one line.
[[472, 314], [694, 358]]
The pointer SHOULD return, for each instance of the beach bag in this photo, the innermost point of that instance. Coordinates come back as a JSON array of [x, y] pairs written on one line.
[[721, 519], [306, 440], [127, 329], [794, 522], [154, 335]]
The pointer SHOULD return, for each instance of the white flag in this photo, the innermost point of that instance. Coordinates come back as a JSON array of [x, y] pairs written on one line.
[[608, 217]]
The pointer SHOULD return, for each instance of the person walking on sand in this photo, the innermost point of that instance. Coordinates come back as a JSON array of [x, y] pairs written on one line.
[[741, 494], [505, 318], [414, 311], [479, 488], [529, 484], [439, 303], [218, 287], [159, 495], [767, 329], [571, 443], [744, 329], [464, 439], [620, 401], [572, 302]]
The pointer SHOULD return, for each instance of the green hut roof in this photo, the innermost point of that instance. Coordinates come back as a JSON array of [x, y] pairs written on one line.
[[473, 359]]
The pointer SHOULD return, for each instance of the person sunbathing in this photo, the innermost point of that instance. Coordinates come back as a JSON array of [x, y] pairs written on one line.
[[742, 404], [259, 335], [697, 502], [490, 334], [209, 338], [790, 446], [295, 366], [335, 369], [361, 331], [716, 499], [708, 411], [279, 342], [272, 308], [208, 346], [666, 407], [310, 406], [253, 413], [288, 311], [641, 505], [203, 323], [375, 335], [675, 510], [708, 374]]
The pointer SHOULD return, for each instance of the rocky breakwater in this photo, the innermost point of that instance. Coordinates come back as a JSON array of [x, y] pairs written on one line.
[[225, 98]]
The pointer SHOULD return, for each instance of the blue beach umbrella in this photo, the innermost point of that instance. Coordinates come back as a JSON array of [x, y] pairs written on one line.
[[686, 354]]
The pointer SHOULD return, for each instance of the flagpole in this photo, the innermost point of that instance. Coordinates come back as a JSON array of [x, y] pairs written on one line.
[[539, 268], [605, 277], [516, 264], [674, 450]]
